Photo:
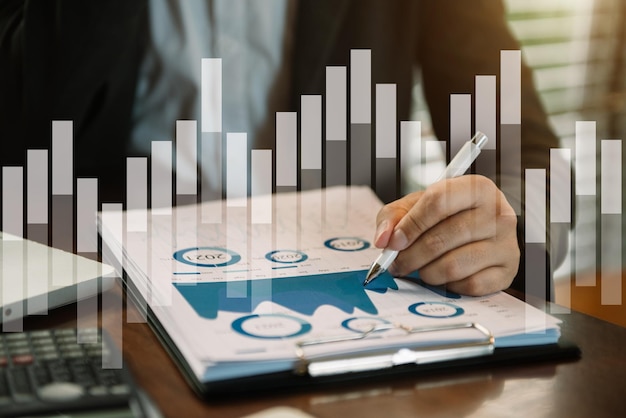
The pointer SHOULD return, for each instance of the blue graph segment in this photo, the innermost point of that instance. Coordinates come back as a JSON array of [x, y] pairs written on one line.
[[303, 294], [271, 326]]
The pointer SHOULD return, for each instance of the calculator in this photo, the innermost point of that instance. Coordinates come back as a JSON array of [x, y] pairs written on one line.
[[49, 372]]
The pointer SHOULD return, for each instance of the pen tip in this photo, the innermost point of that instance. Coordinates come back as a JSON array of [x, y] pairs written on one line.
[[373, 272]]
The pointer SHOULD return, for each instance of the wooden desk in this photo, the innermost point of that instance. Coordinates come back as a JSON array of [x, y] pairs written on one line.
[[592, 386]]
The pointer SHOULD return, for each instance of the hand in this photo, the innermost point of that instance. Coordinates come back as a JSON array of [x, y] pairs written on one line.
[[460, 232]]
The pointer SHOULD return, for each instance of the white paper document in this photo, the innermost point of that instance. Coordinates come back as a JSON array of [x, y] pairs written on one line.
[[240, 298]]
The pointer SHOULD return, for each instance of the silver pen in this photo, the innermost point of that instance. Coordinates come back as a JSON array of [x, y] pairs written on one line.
[[457, 167]]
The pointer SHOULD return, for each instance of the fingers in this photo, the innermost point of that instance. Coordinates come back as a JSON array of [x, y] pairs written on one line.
[[482, 283], [459, 232], [477, 268], [439, 202], [454, 232]]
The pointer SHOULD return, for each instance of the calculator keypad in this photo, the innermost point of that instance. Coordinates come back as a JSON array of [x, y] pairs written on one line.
[[40, 368]]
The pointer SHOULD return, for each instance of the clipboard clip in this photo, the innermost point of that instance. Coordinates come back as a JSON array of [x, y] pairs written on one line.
[[417, 353]]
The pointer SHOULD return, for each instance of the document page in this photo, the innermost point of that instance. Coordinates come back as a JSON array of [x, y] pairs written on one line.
[[241, 296]]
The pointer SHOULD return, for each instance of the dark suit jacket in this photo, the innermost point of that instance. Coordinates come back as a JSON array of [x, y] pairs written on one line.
[[78, 60]]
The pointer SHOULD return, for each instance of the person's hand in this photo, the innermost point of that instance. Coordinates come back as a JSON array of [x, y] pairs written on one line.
[[460, 232]]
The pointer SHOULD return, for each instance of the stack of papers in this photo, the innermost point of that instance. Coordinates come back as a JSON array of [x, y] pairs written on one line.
[[241, 298]]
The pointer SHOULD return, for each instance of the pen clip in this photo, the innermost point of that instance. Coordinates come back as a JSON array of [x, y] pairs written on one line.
[[387, 357]]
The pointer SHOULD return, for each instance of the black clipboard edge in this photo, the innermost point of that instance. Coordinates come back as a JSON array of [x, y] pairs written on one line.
[[267, 384]]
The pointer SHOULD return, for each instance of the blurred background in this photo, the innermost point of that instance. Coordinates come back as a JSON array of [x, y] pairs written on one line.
[[576, 48]]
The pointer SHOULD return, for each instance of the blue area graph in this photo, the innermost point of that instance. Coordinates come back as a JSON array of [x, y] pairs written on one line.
[[302, 294]]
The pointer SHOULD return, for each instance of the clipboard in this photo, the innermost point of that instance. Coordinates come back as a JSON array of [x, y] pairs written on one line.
[[325, 371]]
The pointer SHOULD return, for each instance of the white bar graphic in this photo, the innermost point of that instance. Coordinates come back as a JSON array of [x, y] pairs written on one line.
[[411, 152], [336, 104], [113, 231], [161, 282], [563, 298], [13, 201], [460, 121], [87, 245], [535, 223], [12, 223], [37, 186], [611, 259], [510, 87], [386, 121], [211, 162], [560, 185], [585, 189], [211, 95], [186, 157], [611, 177], [261, 186], [137, 194], [12, 281], [236, 169], [86, 211], [561, 213], [286, 149], [261, 290], [510, 120], [161, 178], [62, 197], [434, 151], [611, 214], [585, 158], [37, 276], [485, 105], [237, 240], [360, 86], [585, 242], [311, 132], [62, 157], [37, 230], [137, 218]]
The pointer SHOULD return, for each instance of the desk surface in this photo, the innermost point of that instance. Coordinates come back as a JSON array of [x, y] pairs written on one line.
[[595, 385]]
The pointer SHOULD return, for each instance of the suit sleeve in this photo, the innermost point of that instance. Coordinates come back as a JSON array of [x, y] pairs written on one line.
[[69, 60], [461, 39]]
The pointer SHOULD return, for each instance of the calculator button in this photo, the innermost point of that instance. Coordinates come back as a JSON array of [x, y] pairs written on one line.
[[40, 334], [20, 351], [13, 345], [15, 337], [69, 340], [64, 332], [72, 354], [43, 342], [5, 395], [40, 375], [22, 359], [48, 356], [60, 392], [22, 391], [59, 372], [45, 349], [98, 391], [120, 390]]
